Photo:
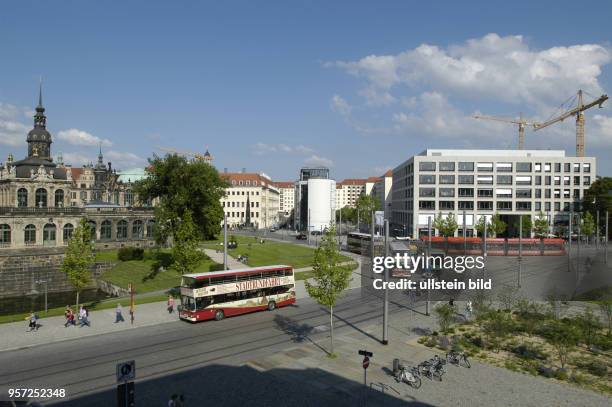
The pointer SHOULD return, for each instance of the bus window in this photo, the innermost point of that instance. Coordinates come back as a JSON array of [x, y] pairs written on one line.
[[289, 272], [188, 303], [216, 280], [203, 302]]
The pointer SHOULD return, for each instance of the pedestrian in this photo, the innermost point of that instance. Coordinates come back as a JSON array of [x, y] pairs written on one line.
[[32, 321], [172, 401], [468, 309], [118, 314], [83, 314], [170, 304], [451, 302], [67, 316], [180, 402]]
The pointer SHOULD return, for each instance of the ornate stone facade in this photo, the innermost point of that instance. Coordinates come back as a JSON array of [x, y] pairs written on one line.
[[41, 201]]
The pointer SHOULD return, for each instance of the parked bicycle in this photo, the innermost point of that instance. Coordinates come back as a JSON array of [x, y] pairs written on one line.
[[411, 377], [457, 358], [433, 368]]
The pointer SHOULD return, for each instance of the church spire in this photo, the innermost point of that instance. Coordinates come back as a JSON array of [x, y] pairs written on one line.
[[40, 120], [40, 94]]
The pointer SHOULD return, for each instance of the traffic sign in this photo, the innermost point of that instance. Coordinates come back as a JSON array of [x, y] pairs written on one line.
[[126, 371], [365, 353], [366, 362]]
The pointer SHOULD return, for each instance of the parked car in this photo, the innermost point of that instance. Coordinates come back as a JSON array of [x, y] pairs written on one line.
[[316, 233], [272, 229], [301, 236]]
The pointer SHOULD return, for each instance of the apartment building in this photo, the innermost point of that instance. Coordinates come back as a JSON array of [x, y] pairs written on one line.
[[484, 182], [286, 201], [252, 200]]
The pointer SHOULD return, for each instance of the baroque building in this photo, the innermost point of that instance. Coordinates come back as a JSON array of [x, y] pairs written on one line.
[[42, 201]]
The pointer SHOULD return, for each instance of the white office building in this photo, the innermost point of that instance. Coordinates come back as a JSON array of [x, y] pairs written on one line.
[[484, 182]]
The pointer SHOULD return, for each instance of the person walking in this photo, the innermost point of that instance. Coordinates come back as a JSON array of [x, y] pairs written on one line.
[[170, 304], [468, 310], [180, 402], [118, 314], [32, 321], [173, 400], [83, 314]]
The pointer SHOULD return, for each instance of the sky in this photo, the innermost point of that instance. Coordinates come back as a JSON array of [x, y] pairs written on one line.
[[274, 86]]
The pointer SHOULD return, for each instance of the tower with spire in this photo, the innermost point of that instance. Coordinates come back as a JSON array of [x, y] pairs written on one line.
[[39, 139]]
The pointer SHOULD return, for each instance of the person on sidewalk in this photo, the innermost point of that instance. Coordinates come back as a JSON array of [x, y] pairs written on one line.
[[69, 315], [170, 304], [172, 401], [83, 314], [32, 321], [119, 315], [468, 310]]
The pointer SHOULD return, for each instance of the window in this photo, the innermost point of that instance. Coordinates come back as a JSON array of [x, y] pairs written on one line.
[[68, 230], [577, 180], [523, 167], [427, 192], [22, 198], [467, 205], [504, 179], [484, 167], [538, 206], [128, 198], [427, 205], [447, 205], [466, 179], [523, 206], [567, 167], [5, 234], [504, 205], [447, 179], [446, 166], [557, 206], [538, 180], [503, 167], [566, 180], [466, 192], [29, 234], [576, 193], [523, 193], [49, 233], [427, 166], [485, 193], [557, 193], [547, 180], [547, 167], [150, 228], [566, 193], [503, 193], [557, 180], [538, 193], [485, 205], [576, 167], [59, 198], [447, 192], [122, 229], [427, 179], [538, 167], [41, 198], [586, 180], [586, 167], [547, 206], [92, 228], [523, 180], [137, 229], [484, 179], [466, 166], [106, 230]]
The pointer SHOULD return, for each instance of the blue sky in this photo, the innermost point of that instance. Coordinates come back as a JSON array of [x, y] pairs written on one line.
[[273, 86]]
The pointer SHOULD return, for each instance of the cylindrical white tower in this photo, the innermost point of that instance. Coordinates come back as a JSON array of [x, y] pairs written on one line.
[[321, 203]]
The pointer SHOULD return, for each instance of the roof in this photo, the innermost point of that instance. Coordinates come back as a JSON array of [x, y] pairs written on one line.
[[237, 271], [374, 179], [285, 184], [353, 181], [492, 153], [246, 176], [389, 173]]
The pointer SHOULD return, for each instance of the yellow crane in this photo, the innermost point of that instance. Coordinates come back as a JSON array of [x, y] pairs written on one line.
[[196, 156], [577, 111], [520, 121]]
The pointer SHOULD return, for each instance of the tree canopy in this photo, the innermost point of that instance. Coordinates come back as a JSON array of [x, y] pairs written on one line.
[[178, 186], [79, 258]]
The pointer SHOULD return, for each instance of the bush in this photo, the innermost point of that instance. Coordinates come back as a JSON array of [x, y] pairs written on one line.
[[477, 341], [431, 342], [561, 374], [593, 366], [546, 371], [130, 253], [527, 351], [216, 267]]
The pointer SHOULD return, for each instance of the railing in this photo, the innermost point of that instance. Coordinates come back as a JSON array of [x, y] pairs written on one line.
[[68, 210]]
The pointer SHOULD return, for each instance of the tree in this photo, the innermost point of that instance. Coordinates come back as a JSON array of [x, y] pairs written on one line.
[[79, 258], [498, 226], [185, 251], [480, 226], [444, 314], [497, 326], [330, 278], [348, 214], [605, 306], [563, 337], [365, 205], [587, 227], [179, 186], [508, 296], [589, 325], [598, 197], [445, 225], [540, 225], [526, 225]]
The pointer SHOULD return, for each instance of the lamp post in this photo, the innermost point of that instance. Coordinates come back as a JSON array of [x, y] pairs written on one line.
[[225, 241], [520, 258], [569, 242], [385, 340], [428, 271]]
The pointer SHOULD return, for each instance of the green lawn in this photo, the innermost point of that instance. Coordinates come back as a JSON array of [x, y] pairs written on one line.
[[143, 275]]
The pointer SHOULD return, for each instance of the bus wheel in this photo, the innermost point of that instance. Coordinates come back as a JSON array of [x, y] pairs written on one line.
[[271, 306], [219, 315]]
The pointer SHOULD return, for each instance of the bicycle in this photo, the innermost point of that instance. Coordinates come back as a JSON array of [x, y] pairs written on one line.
[[433, 368], [411, 377], [459, 359]]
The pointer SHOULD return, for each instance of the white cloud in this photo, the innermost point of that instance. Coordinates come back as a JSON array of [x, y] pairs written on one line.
[[316, 160], [124, 159], [82, 138], [76, 159], [263, 148], [500, 68], [12, 131], [339, 105]]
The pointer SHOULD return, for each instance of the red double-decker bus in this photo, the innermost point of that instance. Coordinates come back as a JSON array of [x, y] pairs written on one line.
[[220, 294]]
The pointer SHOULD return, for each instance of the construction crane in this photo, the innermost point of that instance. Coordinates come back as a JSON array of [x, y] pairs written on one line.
[[207, 157], [520, 121], [578, 111]]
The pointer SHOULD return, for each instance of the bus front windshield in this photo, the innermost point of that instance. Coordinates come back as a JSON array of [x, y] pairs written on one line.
[[188, 303]]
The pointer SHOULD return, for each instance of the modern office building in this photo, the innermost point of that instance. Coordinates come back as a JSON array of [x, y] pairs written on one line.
[[314, 188], [382, 191], [286, 201], [484, 182], [252, 200]]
